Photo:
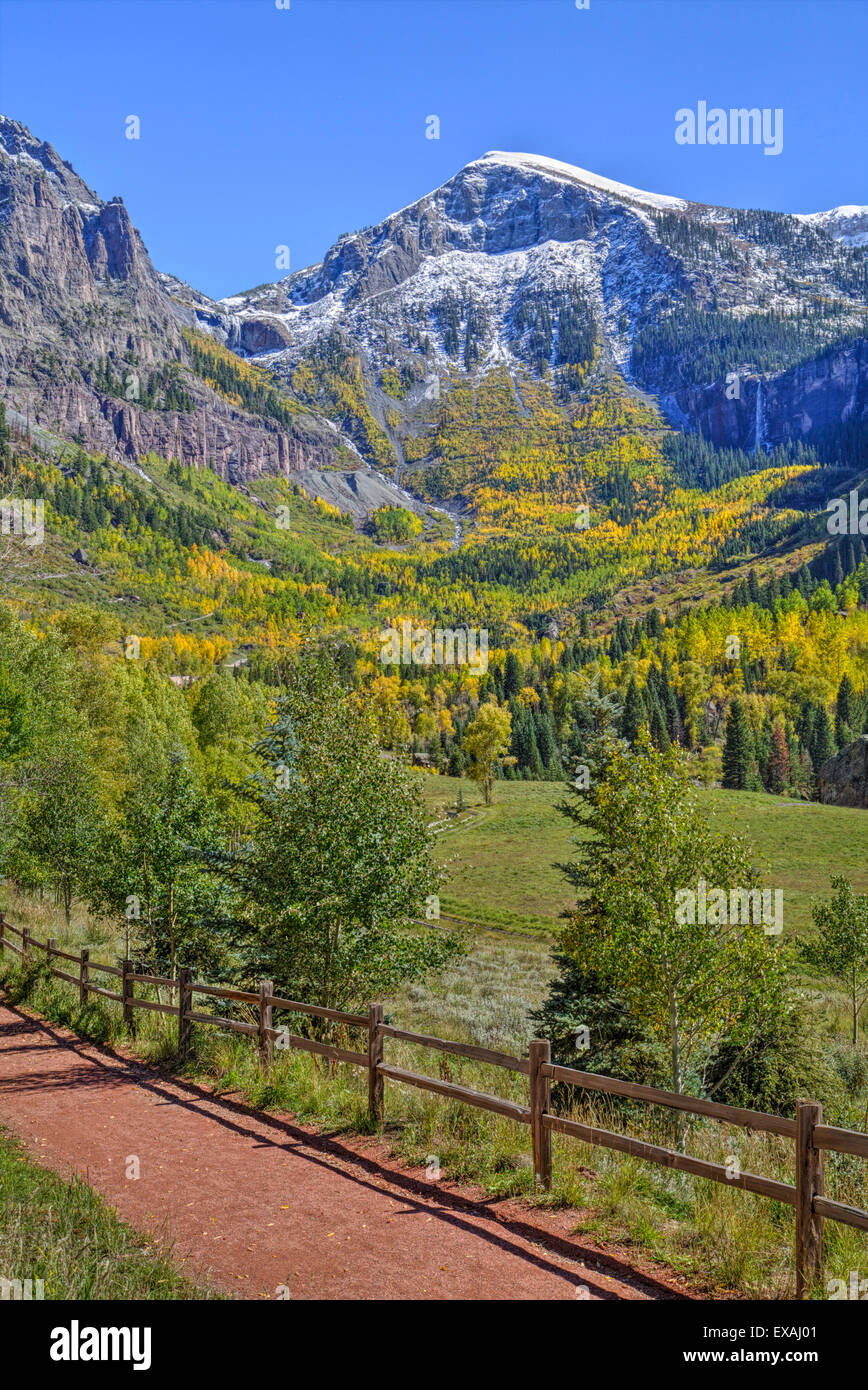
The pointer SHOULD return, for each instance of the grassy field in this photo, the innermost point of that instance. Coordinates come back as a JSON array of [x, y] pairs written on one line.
[[500, 860], [65, 1235]]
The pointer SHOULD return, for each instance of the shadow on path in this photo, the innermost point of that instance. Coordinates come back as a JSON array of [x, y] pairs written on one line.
[[100, 1065]]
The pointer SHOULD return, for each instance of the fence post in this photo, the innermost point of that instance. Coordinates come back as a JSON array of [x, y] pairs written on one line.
[[540, 1052], [50, 944], [2, 933], [266, 1042], [185, 1004], [127, 993], [83, 971], [25, 944], [376, 1080], [809, 1184]]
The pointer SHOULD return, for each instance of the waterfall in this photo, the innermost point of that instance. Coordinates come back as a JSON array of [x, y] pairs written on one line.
[[759, 441]]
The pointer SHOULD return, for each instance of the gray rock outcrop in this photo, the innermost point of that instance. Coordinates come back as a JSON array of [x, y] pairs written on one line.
[[843, 779]]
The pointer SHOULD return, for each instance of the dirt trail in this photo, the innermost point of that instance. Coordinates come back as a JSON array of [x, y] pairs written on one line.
[[255, 1201]]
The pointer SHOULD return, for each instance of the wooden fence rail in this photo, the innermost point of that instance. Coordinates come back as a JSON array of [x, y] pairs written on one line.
[[811, 1137]]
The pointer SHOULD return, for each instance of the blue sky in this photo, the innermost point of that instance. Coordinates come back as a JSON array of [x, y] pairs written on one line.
[[263, 127]]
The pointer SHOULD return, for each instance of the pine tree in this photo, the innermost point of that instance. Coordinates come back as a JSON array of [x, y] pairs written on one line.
[[823, 745], [837, 569], [523, 746], [738, 749], [659, 731], [634, 713], [512, 675], [545, 740]]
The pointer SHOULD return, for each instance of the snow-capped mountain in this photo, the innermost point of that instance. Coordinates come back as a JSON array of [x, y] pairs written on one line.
[[848, 224], [510, 232], [518, 261]]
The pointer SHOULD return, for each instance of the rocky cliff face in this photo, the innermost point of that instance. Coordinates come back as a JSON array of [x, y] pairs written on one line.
[[75, 274], [799, 404], [77, 287], [216, 435], [843, 780]]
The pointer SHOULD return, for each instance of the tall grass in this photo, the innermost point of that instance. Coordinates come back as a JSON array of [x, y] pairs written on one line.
[[63, 1233]]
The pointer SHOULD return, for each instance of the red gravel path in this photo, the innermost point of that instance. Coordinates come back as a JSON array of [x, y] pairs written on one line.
[[255, 1201]]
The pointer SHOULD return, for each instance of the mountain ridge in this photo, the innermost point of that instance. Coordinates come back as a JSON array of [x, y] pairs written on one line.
[[518, 261]]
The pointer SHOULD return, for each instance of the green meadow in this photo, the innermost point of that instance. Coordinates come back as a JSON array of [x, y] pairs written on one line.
[[500, 860]]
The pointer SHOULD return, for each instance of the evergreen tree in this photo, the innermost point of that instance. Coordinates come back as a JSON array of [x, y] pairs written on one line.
[[738, 749], [837, 576], [824, 744], [634, 715], [591, 1027], [545, 742], [457, 762], [523, 744], [659, 731], [513, 676]]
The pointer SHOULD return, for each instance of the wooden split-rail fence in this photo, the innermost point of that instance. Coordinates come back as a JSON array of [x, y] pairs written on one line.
[[811, 1137]]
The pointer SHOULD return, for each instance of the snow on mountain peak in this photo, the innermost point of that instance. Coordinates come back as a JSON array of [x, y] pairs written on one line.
[[555, 168], [847, 224]]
